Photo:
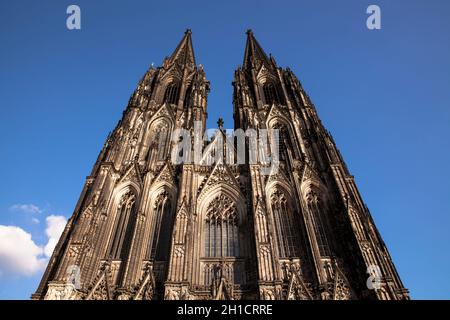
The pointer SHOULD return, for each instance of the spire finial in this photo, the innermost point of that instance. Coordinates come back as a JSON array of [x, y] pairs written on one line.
[[188, 31], [220, 123], [249, 32]]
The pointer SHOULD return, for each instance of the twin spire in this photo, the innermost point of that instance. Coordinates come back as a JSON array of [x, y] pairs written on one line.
[[254, 54]]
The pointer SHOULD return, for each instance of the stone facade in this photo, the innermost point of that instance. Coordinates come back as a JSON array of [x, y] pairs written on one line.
[[145, 228]]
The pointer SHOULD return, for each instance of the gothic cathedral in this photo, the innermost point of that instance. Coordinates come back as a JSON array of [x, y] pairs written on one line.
[[148, 228]]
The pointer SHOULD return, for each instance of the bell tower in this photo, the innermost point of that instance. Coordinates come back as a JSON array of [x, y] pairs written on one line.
[[315, 238], [118, 241]]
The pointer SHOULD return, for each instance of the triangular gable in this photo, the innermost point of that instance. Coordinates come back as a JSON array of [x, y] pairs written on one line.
[[222, 291], [163, 111], [166, 174], [264, 73], [132, 174], [173, 71], [341, 288], [101, 289], [276, 111], [182, 211], [297, 289], [309, 173], [147, 286], [279, 176], [220, 174]]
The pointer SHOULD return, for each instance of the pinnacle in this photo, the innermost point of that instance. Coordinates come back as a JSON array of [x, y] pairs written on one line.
[[220, 123]]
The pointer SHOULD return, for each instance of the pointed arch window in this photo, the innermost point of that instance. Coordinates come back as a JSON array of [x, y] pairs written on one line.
[[286, 225], [221, 232], [161, 138], [317, 209], [283, 142], [271, 95], [283, 139], [172, 93], [125, 222], [163, 228], [187, 96], [159, 142]]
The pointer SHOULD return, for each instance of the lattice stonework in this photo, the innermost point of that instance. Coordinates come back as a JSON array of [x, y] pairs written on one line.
[[221, 228]]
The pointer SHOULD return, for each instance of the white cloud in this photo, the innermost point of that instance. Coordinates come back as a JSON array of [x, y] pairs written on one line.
[[35, 220], [20, 255], [26, 208], [18, 252], [55, 227]]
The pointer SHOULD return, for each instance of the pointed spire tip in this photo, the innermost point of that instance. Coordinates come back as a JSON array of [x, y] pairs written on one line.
[[184, 52], [254, 52]]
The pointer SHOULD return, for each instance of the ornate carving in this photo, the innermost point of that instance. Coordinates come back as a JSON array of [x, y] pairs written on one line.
[[172, 294], [220, 174], [296, 289], [146, 287], [222, 231], [101, 288], [74, 251], [338, 287], [166, 174], [132, 174], [62, 291], [179, 250], [222, 208]]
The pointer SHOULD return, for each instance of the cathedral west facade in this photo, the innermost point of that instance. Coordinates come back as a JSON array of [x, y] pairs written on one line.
[[146, 227]]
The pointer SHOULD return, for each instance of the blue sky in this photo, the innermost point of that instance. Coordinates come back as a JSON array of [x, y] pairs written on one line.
[[383, 94]]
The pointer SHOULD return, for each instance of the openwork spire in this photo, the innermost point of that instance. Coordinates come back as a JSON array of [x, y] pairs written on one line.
[[184, 53], [254, 53]]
